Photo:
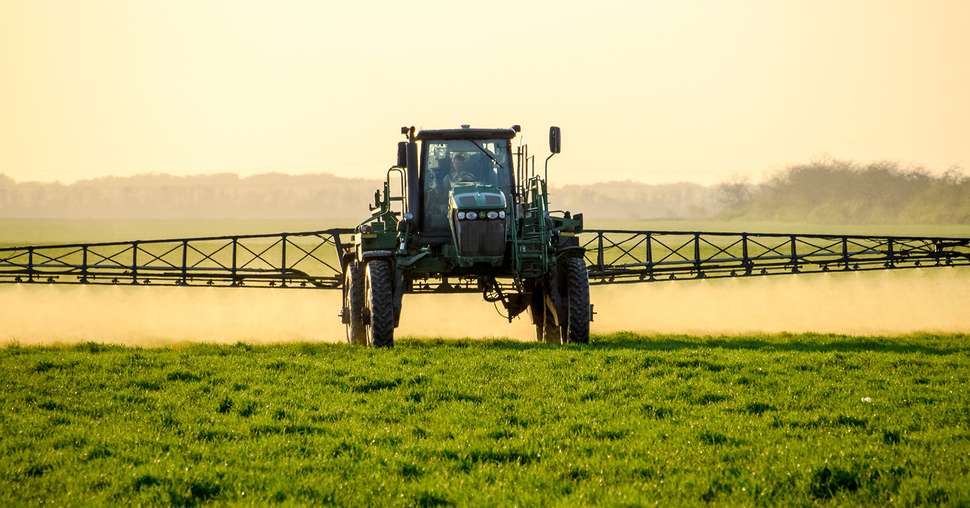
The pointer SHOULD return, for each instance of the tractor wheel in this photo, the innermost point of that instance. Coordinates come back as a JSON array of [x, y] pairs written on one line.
[[379, 301], [354, 303], [576, 320]]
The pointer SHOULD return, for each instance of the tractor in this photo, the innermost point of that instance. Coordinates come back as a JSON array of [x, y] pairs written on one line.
[[464, 211]]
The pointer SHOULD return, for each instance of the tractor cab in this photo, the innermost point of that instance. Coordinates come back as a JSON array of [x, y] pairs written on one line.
[[465, 175]]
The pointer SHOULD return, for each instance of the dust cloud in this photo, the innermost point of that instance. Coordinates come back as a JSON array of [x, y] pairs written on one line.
[[933, 300], [871, 303], [153, 316]]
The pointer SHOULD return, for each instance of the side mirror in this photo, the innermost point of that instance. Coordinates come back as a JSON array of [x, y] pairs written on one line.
[[555, 140], [402, 154]]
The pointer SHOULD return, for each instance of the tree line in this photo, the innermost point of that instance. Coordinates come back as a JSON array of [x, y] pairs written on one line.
[[845, 192], [831, 191]]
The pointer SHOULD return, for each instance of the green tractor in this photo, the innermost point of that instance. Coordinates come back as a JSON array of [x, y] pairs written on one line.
[[463, 211]]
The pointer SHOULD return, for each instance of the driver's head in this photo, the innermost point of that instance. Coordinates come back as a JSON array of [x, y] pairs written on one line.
[[458, 163]]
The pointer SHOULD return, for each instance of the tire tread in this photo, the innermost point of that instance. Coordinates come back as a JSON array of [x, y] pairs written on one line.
[[355, 303], [381, 304], [577, 296]]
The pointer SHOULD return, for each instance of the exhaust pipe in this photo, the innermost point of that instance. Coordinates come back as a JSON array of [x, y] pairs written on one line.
[[414, 196]]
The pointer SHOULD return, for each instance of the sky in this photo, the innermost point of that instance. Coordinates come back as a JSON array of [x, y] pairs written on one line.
[[655, 92]]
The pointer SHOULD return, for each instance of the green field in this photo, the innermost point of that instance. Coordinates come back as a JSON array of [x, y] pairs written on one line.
[[629, 420]]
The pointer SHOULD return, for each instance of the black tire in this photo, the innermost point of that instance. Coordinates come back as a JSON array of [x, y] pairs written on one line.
[[576, 322], [354, 303], [379, 301]]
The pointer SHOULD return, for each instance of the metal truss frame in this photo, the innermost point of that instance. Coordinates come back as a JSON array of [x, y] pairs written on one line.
[[311, 260], [287, 260], [624, 256]]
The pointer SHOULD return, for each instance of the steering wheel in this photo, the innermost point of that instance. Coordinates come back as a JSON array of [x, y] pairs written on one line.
[[466, 176]]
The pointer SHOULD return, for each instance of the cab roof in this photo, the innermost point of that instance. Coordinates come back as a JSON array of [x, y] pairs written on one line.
[[469, 133]]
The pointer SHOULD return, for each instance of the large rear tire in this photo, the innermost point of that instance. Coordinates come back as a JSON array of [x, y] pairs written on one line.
[[379, 302], [354, 303], [577, 301]]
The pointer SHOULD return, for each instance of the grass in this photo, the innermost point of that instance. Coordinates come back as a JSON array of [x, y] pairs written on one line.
[[629, 420]]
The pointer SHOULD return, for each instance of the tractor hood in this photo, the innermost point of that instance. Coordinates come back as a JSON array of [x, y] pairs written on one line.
[[477, 217], [475, 196]]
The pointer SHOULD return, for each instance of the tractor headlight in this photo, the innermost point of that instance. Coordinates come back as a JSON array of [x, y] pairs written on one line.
[[461, 215], [492, 215], [471, 215], [501, 215], [366, 229]]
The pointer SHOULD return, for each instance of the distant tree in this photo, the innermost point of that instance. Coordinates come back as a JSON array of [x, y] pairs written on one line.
[[733, 196], [836, 191]]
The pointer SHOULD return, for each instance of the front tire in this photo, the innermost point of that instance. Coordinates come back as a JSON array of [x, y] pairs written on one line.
[[354, 303], [577, 301], [379, 302]]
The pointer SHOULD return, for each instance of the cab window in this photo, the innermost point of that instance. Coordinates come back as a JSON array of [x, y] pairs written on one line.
[[450, 162]]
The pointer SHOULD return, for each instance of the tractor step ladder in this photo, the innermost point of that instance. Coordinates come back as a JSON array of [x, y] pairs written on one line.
[[531, 245]]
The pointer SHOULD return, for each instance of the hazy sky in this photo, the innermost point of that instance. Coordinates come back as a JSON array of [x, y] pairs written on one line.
[[648, 91]]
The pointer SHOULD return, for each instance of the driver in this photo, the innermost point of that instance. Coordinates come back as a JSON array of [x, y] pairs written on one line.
[[460, 170]]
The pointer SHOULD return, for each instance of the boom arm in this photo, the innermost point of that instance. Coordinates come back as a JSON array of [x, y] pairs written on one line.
[[302, 260], [621, 256], [312, 259]]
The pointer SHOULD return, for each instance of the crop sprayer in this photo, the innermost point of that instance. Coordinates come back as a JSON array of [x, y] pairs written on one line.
[[465, 211]]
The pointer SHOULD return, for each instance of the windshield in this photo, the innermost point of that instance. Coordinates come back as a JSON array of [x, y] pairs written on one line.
[[484, 161]]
